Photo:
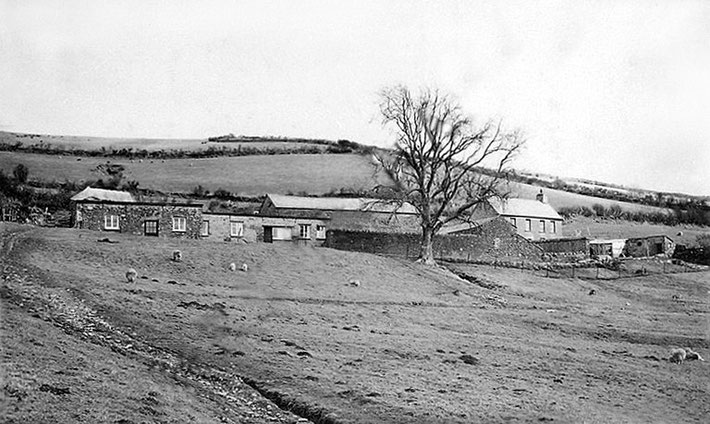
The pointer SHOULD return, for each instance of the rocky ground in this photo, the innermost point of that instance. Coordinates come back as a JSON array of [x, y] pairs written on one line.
[[294, 339]]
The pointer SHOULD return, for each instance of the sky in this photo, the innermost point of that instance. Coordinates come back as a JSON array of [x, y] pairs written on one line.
[[615, 91]]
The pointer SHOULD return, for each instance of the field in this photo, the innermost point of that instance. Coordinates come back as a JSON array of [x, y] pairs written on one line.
[[252, 175], [618, 229], [69, 142], [256, 175], [408, 344], [559, 199]]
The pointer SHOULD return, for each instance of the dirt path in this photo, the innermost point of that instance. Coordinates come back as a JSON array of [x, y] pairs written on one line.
[[25, 297]]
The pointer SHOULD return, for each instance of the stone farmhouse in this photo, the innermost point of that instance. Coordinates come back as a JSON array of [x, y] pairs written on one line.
[[532, 219]]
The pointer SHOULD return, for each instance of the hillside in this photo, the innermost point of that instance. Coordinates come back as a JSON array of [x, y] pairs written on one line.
[[252, 175], [69, 142], [409, 344]]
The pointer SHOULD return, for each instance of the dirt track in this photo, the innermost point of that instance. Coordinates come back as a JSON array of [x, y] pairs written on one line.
[[409, 345]]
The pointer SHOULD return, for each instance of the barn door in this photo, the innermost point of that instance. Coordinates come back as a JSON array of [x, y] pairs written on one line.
[[268, 234]]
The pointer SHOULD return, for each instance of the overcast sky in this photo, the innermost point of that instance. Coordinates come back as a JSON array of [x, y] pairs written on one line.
[[617, 91]]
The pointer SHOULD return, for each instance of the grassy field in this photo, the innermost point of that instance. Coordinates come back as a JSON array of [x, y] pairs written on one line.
[[255, 175], [68, 142], [617, 229], [559, 199], [409, 344]]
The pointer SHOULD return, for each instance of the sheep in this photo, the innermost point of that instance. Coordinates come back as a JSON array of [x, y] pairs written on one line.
[[232, 266], [177, 256], [245, 268], [131, 275], [691, 355], [354, 283], [677, 356], [592, 292]]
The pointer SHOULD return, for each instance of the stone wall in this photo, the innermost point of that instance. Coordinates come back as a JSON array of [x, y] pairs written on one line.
[[496, 240], [219, 227], [220, 224], [133, 216], [565, 249]]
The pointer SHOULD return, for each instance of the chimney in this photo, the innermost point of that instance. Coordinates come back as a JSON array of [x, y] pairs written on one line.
[[541, 197]]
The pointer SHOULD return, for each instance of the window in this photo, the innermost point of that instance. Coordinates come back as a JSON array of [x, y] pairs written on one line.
[[320, 232], [542, 226], [304, 231], [553, 227], [514, 222], [150, 228], [205, 230], [236, 229], [179, 224], [528, 225], [111, 222]]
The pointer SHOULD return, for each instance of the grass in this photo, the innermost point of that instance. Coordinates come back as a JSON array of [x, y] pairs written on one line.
[[410, 344], [559, 199], [619, 229], [149, 144], [252, 175]]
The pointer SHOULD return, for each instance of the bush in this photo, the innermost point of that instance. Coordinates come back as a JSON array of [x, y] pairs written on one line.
[[21, 173]]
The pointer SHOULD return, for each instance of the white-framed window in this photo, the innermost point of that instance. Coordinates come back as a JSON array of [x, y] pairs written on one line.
[[236, 229], [553, 227], [304, 231], [514, 222], [542, 226], [179, 224], [205, 229], [320, 232], [111, 222], [528, 225]]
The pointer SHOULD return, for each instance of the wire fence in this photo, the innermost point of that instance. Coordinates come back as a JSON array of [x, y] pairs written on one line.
[[618, 270]]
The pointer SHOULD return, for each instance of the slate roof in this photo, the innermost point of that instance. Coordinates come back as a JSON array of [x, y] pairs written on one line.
[[102, 195], [524, 207], [339, 204]]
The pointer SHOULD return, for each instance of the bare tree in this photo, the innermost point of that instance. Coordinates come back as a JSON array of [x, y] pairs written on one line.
[[442, 164]]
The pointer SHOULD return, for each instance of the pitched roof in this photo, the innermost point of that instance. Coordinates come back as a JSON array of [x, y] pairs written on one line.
[[102, 195], [524, 207], [339, 204]]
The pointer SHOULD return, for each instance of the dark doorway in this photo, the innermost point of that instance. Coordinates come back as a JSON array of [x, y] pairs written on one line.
[[268, 235], [150, 228]]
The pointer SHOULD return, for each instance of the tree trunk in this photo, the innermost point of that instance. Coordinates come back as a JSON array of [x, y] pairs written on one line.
[[427, 249]]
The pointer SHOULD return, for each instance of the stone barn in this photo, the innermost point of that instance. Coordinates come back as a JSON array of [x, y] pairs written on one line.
[[119, 212], [311, 217], [641, 247]]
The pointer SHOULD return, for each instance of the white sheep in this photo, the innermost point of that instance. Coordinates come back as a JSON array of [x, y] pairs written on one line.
[[232, 266], [245, 267], [177, 256], [677, 356], [131, 275]]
